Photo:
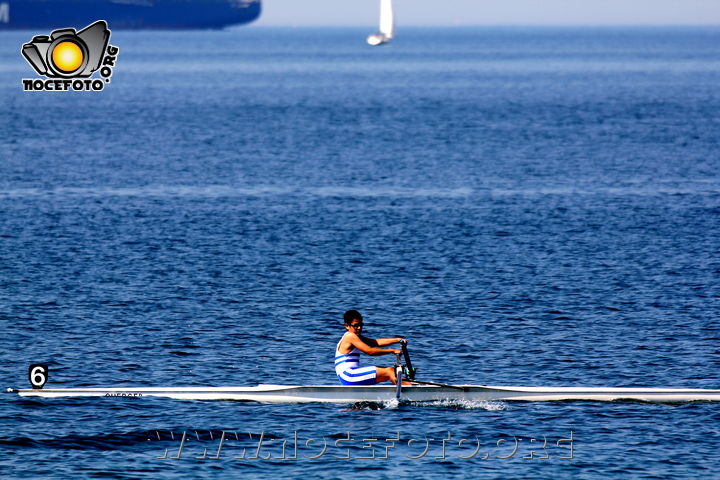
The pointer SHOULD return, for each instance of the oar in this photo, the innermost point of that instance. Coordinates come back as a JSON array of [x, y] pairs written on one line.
[[411, 371], [418, 382], [398, 376], [408, 364]]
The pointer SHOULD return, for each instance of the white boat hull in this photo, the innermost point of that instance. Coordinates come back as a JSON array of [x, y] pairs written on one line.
[[377, 39], [383, 393]]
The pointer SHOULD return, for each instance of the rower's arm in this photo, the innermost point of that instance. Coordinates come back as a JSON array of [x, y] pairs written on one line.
[[360, 344], [380, 342]]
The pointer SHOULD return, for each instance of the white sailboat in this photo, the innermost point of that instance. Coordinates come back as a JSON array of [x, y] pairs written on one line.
[[387, 24]]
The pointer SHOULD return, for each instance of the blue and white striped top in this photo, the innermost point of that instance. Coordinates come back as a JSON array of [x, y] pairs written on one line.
[[343, 361]]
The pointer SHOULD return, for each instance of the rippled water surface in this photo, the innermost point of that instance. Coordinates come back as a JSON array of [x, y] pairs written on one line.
[[533, 207]]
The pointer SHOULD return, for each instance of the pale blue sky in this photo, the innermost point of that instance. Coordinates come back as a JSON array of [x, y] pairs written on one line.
[[492, 12]]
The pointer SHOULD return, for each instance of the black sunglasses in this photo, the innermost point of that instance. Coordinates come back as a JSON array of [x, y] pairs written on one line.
[[356, 325]]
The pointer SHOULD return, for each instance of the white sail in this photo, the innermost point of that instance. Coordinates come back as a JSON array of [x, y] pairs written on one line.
[[387, 20]]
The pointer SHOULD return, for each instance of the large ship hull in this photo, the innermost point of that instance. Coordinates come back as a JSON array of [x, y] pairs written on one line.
[[126, 14]]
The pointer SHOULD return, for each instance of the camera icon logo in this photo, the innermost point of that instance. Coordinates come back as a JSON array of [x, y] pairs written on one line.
[[66, 53]]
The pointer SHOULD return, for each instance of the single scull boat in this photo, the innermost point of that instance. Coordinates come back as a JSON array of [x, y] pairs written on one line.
[[419, 391], [382, 393]]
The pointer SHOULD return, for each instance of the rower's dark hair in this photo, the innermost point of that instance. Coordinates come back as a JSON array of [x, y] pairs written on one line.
[[351, 315]]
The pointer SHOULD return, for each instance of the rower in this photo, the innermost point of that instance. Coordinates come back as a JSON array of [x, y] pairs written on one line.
[[347, 354]]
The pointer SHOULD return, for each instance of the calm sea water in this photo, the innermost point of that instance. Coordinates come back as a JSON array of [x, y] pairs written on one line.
[[532, 207]]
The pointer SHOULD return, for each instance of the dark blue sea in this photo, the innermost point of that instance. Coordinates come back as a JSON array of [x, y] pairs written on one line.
[[528, 206]]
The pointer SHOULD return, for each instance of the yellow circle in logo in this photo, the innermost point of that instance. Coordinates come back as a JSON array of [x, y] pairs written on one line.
[[67, 56]]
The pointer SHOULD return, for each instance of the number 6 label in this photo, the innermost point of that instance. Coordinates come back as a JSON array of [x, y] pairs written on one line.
[[38, 375]]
